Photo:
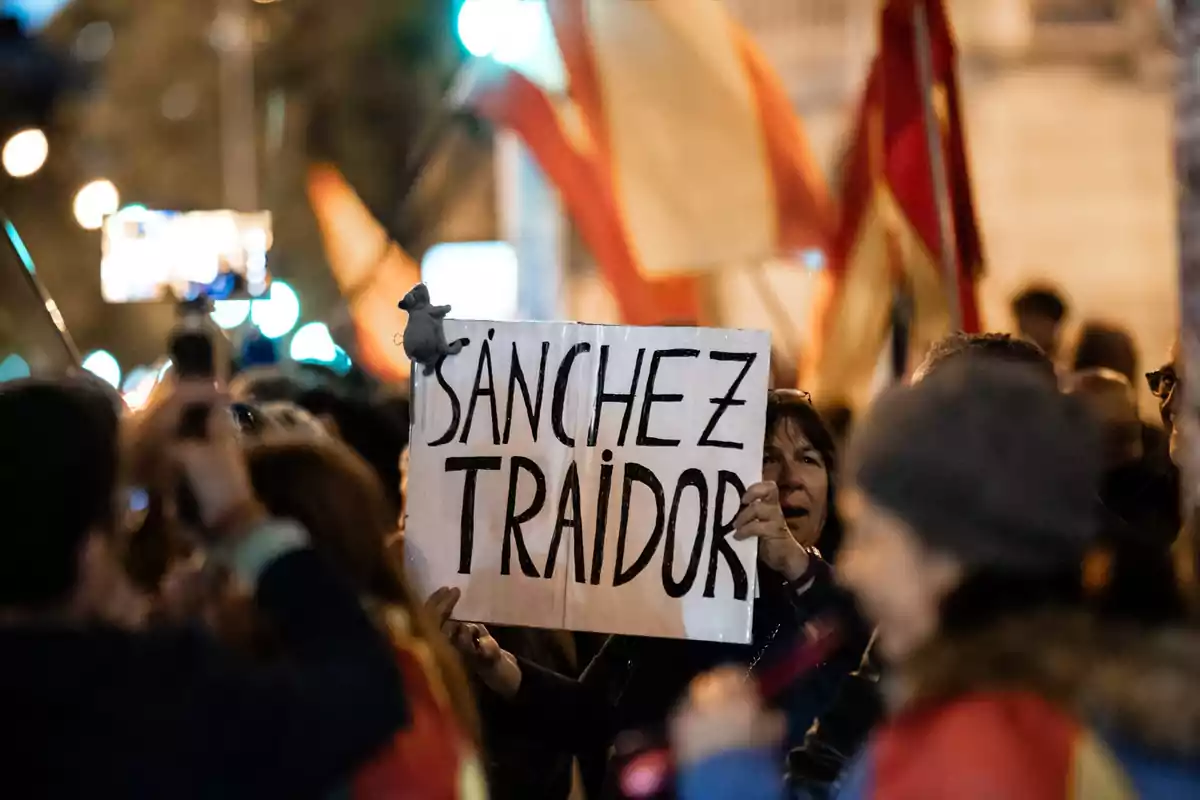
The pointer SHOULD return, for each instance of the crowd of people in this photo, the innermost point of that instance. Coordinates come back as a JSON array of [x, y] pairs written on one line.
[[976, 589]]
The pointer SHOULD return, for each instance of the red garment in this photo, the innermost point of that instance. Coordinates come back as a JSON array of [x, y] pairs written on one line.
[[986, 746], [431, 759]]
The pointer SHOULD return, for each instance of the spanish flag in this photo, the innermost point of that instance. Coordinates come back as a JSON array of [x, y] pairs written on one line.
[[889, 239], [372, 272], [675, 150]]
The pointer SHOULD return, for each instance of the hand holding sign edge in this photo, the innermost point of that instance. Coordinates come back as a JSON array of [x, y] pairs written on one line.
[[762, 518]]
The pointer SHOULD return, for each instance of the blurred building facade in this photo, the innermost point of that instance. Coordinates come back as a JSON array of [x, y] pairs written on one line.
[[1069, 126], [1068, 117]]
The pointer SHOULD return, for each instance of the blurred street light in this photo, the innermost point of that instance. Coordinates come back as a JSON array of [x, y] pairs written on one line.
[[13, 368], [94, 202], [104, 366], [25, 152], [313, 342], [515, 33], [479, 280], [229, 314], [278, 314]]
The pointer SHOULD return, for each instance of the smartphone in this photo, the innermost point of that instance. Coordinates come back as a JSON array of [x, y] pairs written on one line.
[[149, 256], [193, 347]]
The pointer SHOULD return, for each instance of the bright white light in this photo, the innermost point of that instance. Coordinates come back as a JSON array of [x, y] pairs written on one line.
[[13, 368], [230, 313], [313, 342], [478, 280], [342, 364], [277, 315], [134, 212], [104, 366], [94, 202], [134, 377], [137, 393], [482, 24], [25, 152], [516, 33]]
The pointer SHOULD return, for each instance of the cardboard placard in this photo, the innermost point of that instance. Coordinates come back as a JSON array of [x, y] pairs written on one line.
[[586, 477]]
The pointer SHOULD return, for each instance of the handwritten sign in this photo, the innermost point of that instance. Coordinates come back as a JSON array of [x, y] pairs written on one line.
[[586, 477]]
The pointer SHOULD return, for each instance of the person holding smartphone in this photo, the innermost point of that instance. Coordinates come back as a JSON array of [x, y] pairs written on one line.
[[88, 709]]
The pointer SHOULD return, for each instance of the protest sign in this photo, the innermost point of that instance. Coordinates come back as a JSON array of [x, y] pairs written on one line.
[[586, 477]]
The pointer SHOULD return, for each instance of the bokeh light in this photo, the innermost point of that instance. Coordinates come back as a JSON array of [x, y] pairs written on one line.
[[104, 366], [229, 314], [13, 368], [313, 342], [483, 24], [279, 313], [135, 376], [94, 202], [25, 152]]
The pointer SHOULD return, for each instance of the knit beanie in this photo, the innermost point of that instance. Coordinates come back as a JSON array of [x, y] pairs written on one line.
[[986, 462]]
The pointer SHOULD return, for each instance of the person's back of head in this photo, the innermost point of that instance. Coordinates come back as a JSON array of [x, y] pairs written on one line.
[[375, 435], [1039, 312], [986, 346], [58, 477], [1104, 346], [281, 417], [1109, 394], [336, 496]]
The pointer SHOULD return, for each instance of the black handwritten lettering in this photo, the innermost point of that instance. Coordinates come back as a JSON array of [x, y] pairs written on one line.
[[695, 478], [477, 391], [472, 466], [637, 473], [516, 376], [560, 392], [513, 522], [606, 471], [455, 408], [603, 397], [720, 544], [570, 494], [644, 439], [728, 400]]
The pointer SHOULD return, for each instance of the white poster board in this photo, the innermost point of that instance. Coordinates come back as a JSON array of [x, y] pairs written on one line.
[[586, 477]]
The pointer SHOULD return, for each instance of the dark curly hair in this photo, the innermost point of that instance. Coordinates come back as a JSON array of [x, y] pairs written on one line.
[[990, 346], [790, 404]]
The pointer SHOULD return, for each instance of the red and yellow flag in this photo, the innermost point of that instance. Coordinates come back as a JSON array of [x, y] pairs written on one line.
[[372, 272], [889, 229], [688, 157]]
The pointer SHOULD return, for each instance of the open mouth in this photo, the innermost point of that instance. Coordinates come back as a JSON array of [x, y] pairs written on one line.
[[795, 513]]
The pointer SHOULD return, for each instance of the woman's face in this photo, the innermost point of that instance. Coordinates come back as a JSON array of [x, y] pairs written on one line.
[[791, 461], [898, 583]]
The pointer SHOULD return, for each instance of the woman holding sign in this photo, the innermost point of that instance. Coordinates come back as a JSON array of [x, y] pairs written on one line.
[[807, 635]]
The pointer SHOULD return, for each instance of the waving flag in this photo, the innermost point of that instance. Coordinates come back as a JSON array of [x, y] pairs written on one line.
[[372, 272], [677, 154], [889, 235]]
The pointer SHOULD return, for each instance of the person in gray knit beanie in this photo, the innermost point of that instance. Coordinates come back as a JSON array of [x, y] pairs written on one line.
[[986, 462], [975, 487]]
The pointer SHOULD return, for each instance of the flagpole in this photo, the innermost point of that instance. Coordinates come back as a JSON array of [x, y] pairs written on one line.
[[947, 244]]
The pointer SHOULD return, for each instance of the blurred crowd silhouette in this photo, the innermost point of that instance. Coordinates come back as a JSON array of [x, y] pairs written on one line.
[[975, 587]]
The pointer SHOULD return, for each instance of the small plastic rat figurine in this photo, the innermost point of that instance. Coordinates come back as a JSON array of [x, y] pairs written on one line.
[[424, 337]]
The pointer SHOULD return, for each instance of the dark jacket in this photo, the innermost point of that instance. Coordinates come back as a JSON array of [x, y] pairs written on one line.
[[635, 681], [523, 765], [105, 713]]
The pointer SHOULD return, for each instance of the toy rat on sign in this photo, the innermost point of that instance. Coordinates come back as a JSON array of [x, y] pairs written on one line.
[[424, 338]]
